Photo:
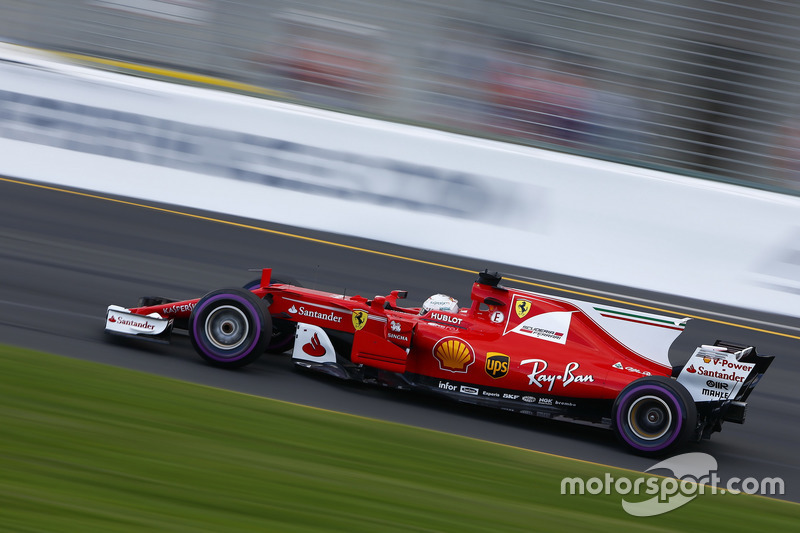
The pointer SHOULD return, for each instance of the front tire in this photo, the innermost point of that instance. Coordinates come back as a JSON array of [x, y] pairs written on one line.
[[654, 415], [230, 328], [283, 331]]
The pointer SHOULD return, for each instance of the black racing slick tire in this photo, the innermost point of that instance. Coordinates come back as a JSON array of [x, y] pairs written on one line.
[[654, 415], [230, 328], [283, 331]]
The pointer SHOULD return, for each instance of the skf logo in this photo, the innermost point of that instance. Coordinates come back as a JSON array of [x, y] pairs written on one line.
[[454, 355], [497, 364], [522, 307], [360, 319]]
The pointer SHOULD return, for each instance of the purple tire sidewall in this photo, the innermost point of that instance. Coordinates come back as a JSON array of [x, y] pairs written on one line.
[[622, 413], [281, 342], [197, 327]]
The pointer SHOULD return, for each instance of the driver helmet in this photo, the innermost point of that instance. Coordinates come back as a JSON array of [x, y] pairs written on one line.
[[439, 302]]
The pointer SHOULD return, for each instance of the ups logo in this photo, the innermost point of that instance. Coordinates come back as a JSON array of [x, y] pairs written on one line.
[[497, 364]]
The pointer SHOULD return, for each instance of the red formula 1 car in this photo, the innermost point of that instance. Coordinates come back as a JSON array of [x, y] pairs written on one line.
[[511, 349]]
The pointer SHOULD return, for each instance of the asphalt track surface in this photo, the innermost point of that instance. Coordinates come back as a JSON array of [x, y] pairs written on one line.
[[66, 255]]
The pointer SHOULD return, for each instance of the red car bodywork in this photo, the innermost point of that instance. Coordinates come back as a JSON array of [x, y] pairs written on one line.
[[509, 348]]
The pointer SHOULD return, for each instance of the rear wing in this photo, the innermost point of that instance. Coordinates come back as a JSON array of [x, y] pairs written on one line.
[[749, 355], [724, 371]]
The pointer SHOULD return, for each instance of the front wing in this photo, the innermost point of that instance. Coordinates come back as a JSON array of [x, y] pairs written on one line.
[[121, 321]]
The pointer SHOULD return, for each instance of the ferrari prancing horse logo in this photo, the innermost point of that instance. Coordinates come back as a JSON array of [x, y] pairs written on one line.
[[522, 307], [360, 319]]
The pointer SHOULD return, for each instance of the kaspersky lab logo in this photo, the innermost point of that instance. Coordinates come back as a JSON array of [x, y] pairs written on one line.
[[691, 474]]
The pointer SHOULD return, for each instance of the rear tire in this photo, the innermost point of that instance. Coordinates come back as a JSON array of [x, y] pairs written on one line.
[[230, 328], [654, 415]]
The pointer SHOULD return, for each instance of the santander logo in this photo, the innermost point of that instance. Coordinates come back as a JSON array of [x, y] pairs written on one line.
[[143, 324], [314, 348]]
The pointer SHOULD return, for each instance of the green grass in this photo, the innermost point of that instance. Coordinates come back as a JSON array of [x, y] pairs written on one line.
[[87, 447]]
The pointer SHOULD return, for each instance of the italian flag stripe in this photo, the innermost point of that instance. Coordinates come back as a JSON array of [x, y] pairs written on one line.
[[620, 315]]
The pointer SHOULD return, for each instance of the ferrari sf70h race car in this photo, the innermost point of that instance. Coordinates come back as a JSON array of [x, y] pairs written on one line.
[[511, 349]]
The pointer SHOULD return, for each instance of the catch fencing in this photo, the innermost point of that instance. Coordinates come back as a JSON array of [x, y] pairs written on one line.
[[698, 87]]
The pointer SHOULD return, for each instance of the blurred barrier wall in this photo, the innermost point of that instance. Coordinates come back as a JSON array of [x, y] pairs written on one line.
[[295, 165], [701, 87]]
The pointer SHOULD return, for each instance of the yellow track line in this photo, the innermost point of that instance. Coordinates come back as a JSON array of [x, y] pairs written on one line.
[[386, 254], [175, 74]]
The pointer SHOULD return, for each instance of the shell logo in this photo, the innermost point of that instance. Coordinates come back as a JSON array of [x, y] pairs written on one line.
[[454, 355]]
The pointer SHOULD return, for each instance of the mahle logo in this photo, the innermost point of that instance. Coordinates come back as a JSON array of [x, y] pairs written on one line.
[[497, 364]]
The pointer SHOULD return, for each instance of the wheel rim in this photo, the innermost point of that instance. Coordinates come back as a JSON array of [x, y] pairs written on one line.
[[227, 327], [649, 418]]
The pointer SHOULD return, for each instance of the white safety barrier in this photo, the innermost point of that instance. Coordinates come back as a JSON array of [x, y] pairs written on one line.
[[69, 125]]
